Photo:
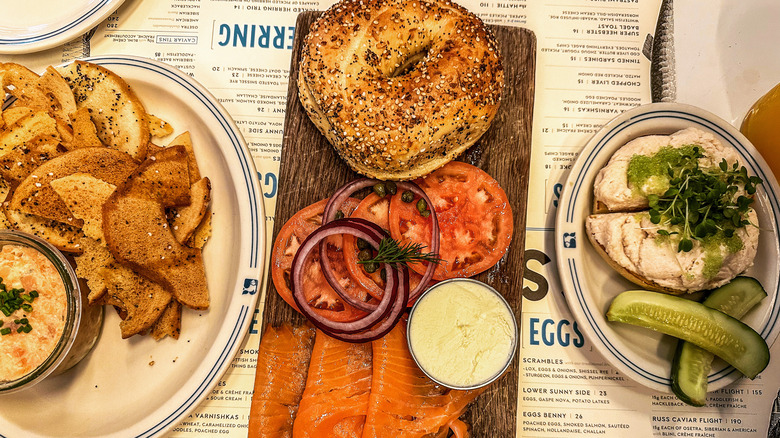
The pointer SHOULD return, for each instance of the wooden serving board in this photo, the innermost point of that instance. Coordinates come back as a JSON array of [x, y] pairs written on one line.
[[311, 170]]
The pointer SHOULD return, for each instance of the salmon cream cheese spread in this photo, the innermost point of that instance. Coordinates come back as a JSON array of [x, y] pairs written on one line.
[[34, 309], [462, 333]]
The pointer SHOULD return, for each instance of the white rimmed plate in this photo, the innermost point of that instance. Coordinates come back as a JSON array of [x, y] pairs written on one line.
[[27, 27], [589, 284], [139, 387]]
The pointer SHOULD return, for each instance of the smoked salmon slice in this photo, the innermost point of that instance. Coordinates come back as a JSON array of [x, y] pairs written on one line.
[[404, 402], [335, 400], [282, 360]]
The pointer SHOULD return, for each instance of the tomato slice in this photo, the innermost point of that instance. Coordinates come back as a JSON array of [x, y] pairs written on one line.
[[317, 291], [375, 209], [475, 220]]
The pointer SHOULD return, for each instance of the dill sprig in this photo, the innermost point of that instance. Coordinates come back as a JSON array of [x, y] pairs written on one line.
[[703, 202], [392, 252]]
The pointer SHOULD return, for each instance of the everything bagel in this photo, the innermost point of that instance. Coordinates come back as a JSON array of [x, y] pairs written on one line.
[[400, 87]]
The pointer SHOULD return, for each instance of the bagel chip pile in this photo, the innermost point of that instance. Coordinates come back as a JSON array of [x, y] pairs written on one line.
[[78, 168]]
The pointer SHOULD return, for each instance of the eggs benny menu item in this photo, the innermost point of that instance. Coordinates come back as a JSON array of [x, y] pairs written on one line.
[[593, 62]]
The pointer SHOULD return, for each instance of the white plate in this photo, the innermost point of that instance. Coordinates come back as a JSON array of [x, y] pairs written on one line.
[[27, 27], [138, 386], [589, 284]]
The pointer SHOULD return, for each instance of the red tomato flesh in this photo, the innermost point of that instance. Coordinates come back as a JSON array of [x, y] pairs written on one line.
[[375, 209], [317, 291], [475, 220]]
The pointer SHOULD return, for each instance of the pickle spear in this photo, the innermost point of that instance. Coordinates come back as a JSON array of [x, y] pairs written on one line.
[[710, 329], [692, 365]]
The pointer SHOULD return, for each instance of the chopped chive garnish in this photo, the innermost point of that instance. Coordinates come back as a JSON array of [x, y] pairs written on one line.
[[15, 299]]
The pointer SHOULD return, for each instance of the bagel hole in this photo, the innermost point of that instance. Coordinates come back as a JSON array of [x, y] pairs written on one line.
[[411, 62]]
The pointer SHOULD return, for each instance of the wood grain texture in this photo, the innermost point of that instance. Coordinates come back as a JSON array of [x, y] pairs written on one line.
[[311, 170]]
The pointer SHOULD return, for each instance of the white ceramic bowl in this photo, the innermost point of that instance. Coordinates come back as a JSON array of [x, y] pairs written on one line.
[[589, 284]]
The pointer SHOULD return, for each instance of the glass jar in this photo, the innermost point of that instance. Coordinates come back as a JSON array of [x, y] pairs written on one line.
[[80, 323]]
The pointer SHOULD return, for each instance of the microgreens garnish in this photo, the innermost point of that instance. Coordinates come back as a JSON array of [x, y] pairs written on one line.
[[392, 252], [703, 202]]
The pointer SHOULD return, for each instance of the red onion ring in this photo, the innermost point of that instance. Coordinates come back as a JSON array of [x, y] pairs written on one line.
[[338, 198], [384, 327], [341, 195], [355, 227], [376, 233], [329, 214]]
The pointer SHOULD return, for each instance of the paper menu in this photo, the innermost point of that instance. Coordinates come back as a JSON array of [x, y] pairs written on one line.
[[593, 62], [566, 388]]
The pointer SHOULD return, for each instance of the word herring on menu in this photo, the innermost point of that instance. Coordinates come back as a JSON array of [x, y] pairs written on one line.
[[255, 35]]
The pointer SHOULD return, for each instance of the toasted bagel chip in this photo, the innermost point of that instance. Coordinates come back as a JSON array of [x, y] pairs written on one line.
[[36, 196], [22, 83], [143, 301], [138, 235], [163, 177], [84, 195], [26, 128], [84, 131], [169, 323], [17, 164], [185, 140], [158, 127], [48, 92], [30, 140], [66, 135], [185, 220], [4, 191], [65, 237], [62, 102], [118, 114], [89, 265], [108, 285], [152, 148], [13, 115], [202, 233]]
